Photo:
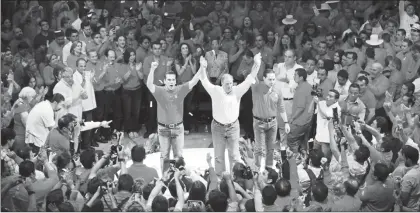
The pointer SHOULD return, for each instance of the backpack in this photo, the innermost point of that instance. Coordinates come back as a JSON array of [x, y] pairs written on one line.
[[313, 180]]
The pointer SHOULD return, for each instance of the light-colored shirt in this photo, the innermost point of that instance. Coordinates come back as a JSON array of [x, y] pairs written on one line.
[[226, 106], [405, 20], [375, 29], [312, 79], [40, 118], [72, 102], [66, 51], [287, 89], [89, 103], [343, 90], [322, 132]]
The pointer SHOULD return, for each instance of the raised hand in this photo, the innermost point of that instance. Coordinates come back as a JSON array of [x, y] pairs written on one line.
[[203, 62], [257, 58], [154, 65], [105, 124], [139, 66]]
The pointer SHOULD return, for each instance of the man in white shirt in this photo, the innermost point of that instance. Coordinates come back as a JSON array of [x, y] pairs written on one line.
[[225, 103], [41, 120], [325, 113], [310, 66], [286, 85], [374, 22], [84, 78], [72, 35], [407, 17], [343, 84], [73, 95]]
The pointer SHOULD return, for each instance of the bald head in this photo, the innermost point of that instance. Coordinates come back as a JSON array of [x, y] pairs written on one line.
[[227, 83], [226, 77], [377, 69]]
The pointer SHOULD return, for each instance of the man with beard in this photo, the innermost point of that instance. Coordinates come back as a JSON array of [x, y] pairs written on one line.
[[170, 111], [17, 40], [41, 120], [45, 37], [56, 46], [73, 94], [225, 104]]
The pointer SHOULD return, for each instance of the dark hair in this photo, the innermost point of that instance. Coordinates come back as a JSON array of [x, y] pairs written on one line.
[[415, 47], [198, 191], [26, 168], [160, 204], [386, 37], [142, 38], [63, 159], [319, 191], [93, 185], [57, 98], [44, 20], [362, 154], [268, 71], [382, 123], [306, 40], [410, 87], [352, 186], [381, 171], [250, 205], [354, 55], [315, 156], [24, 152], [354, 85], [127, 54], [248, 53], [340, 55], [79, 60], [364, 79], [269, 195], [70, 31], [343, 73], [147, 189], [283, 187], [84, 24], [218, 201], [301, 73], [23, 45], [118, 37], [336, 93], [138, 153], [179, 57], [106, 53], [6, 135], [272, 174], [402, 31], [56, 197], [87, 158], [157, 43], [125, 182], [410, 153]]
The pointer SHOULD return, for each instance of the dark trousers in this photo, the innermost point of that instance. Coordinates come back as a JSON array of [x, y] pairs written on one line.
[[246, 114], [87, 135], [113, 112], [189, 107], [151, 124], [100, 110], [131, 102]]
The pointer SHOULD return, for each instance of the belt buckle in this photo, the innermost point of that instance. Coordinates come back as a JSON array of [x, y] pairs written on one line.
[[171, 126]]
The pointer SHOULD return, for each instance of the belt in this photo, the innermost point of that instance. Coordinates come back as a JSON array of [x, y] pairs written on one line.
[[265, 119], [225, 125], [287, 99], [170, 126]]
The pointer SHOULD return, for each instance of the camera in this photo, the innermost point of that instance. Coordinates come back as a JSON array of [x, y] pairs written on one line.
[[336, 123], [115, 149], [316, 91]]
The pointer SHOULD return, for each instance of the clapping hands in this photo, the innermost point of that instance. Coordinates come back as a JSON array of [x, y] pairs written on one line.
[[257, 58]]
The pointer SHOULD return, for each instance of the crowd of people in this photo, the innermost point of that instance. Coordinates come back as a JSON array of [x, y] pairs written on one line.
[[326, 94]]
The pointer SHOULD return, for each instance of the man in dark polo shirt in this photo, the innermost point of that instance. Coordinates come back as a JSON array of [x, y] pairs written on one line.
[[266, 104], [170, 110], [159, 76], [301, 118], [367, 97]]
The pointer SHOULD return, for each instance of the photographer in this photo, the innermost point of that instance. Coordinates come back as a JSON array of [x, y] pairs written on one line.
[[60, 138], [325, 113]]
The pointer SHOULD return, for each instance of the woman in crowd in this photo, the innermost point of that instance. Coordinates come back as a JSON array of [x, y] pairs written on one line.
[[6, 33], [75, 54]]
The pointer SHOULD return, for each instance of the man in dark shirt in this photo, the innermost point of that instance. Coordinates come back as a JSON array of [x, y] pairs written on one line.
[[163, 66], [45, 37], [301, 118], [170, 110]]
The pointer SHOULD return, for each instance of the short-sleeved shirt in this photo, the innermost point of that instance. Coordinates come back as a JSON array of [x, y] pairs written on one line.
[[267, 103], [170, 109], [346, 204], [368, 99], [377, 197], [39, 120], [302, 99], [411, 184]]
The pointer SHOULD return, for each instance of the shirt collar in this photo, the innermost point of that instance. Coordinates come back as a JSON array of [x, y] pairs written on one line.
[[356, 102]]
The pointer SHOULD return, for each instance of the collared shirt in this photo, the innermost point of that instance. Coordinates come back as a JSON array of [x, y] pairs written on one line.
[[66, 51], [40, 118], [353, 71], [217, 63], [226, 106], [98, 85], [89, 103], [312, 79], [378, 87], [170, 108], [411, 184], [267, 103], [160, 70], [368, 99], [287, 89], [322, 132], [343, 89], [352, 111], [10, 166], [72, 98], [302, 99], [111, 75]]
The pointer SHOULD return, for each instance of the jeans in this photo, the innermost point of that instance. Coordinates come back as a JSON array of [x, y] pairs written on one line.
[[101, 108], [170, 137], [265, 137], [288, 106], [298, 137], [87, 135], [131, 100], [225, 136]]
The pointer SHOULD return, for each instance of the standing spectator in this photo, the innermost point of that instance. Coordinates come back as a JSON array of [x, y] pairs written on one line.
[[350, 64], [41, 120], [20, 111], [72, 35], [411, 63], [343, 84], [379, 85], [45, 37], [410, 185], [138, 169], [8, 157], [218, 62], [367, 97], [407, 16], [19, 38], [56, 46], [352, 107]]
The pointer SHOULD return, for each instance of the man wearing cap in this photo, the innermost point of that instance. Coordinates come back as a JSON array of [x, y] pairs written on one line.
[[380, 53], [407, 16], [225, 104], [56, 46]]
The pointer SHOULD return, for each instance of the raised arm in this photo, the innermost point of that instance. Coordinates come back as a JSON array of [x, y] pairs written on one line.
[[203, 76], [195, 79], [151, 77], [244, 86]]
